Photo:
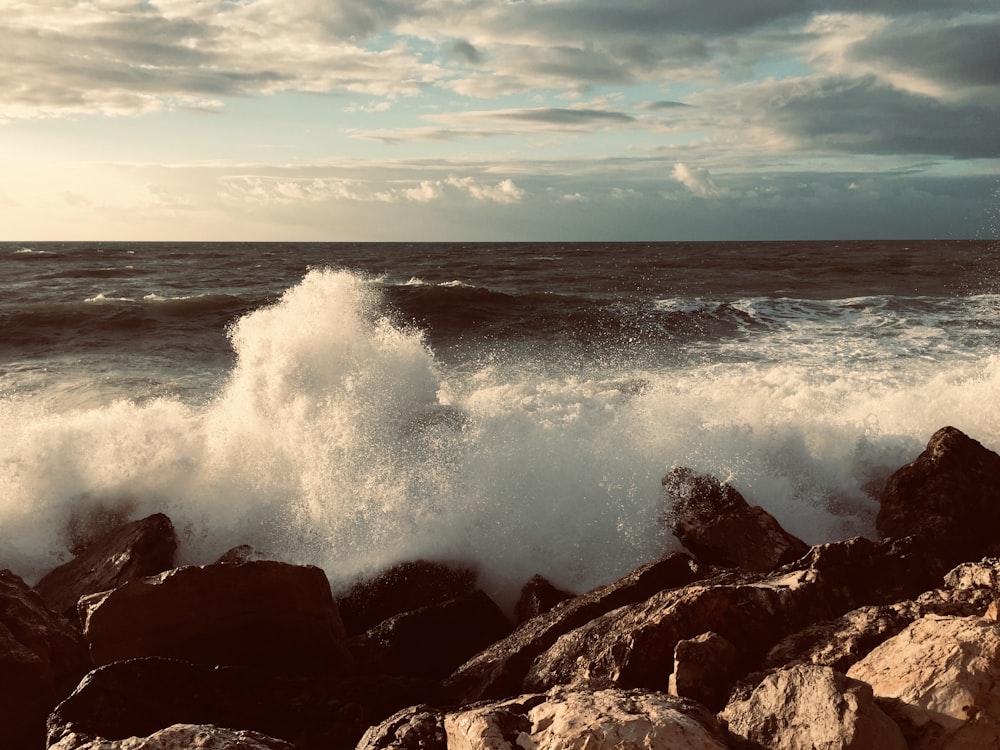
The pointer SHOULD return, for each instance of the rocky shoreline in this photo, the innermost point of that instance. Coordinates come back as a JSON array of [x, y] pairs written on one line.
[[753, 640]]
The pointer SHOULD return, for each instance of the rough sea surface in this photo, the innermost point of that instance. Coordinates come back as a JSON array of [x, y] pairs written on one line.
[[511, 405]]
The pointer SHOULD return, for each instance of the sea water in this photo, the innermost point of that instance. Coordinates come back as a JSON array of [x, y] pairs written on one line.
[[510, 406]]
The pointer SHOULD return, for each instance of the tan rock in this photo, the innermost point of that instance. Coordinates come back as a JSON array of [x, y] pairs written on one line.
[[939, 677], [179, 737], [809, 706]]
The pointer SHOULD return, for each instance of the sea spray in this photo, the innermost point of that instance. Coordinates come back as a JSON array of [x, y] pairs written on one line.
[[340, 439]]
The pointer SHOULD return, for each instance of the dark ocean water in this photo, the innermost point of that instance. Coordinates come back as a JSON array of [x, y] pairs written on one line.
[[350, 405]]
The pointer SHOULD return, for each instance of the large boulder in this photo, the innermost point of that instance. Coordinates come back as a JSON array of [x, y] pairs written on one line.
[[109, 559], [947, 500], [401, 588], [433, 640], [809, 706], [264, 614], [42, 656], [499, 670], [938, 680], [715, 522], [139, 697], [180, 737], [598, 720], [703, 669]]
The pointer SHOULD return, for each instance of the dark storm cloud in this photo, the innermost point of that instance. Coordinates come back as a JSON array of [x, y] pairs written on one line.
[[558, 116], [868, 116], [661, 105], [465, 52]]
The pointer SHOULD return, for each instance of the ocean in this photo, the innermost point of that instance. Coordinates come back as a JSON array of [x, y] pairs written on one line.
[[512, 405]]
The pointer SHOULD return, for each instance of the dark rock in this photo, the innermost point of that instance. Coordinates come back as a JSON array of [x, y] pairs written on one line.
[[180, 736], [717, 524], [499, 670], [418, 727], [139, 697], [264, 614], [240, 554], [434, 640], [538, 596], [947, 500], [703, 669], [42, 656], [402, 588], [109, 559]]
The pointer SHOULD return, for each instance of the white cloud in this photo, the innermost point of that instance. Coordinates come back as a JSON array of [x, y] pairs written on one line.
[[698, 181]]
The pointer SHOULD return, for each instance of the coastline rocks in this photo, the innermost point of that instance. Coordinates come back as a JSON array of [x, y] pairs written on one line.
[[718, 526], [809, 706], [560, 718], [41, 658], [402, 588], [703, 669], [433, 640], [947, 500], [139, 697], [499, 670], [538, 596], [180, 737], [133, 550], [938, 680], [268, 615]]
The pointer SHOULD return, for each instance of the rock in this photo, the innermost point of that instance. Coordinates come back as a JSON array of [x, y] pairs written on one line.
[[840, 642], [938, 680], [401, 588], [538, 596], [499, 670], [808, 706], [703, 669], [240, 554], [180, 737], [717, 524], [42, 656], [601, 720], [948, 499], [432, 641], [264, 614], [139, 697], [109, 559]]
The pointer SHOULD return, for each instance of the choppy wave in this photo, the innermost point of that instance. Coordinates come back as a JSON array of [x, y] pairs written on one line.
[[340, 438]]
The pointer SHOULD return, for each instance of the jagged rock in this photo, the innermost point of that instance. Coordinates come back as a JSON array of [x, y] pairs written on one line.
[[601, 720], [703, 669], [434, 640], [809, 706], [109, 559], [139, 697], [265, 614], [41, 657], [947, 500], [499, 670], [840, 642], [938, 680], [240, 554], [402, 588], [180, 737], [538, 596], [716, 523]]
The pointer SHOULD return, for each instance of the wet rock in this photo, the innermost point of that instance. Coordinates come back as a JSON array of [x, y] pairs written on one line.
[[107, 560], [809, 706], [947, 500], [703, 669], [433, 640], [264, 614], [499, 670], [42, 656], [715, 522], [598, 720], [180, 737], [938, 680], [538, 596], [402, 588], [240, 554], [139, 697]]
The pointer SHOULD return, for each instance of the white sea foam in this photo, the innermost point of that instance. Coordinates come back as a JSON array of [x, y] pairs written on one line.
[[340, 440]]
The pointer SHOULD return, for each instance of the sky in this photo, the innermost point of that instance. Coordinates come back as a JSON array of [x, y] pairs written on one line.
[[505, 120]]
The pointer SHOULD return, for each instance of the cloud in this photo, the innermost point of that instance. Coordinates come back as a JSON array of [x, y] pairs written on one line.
[[698, 181]]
